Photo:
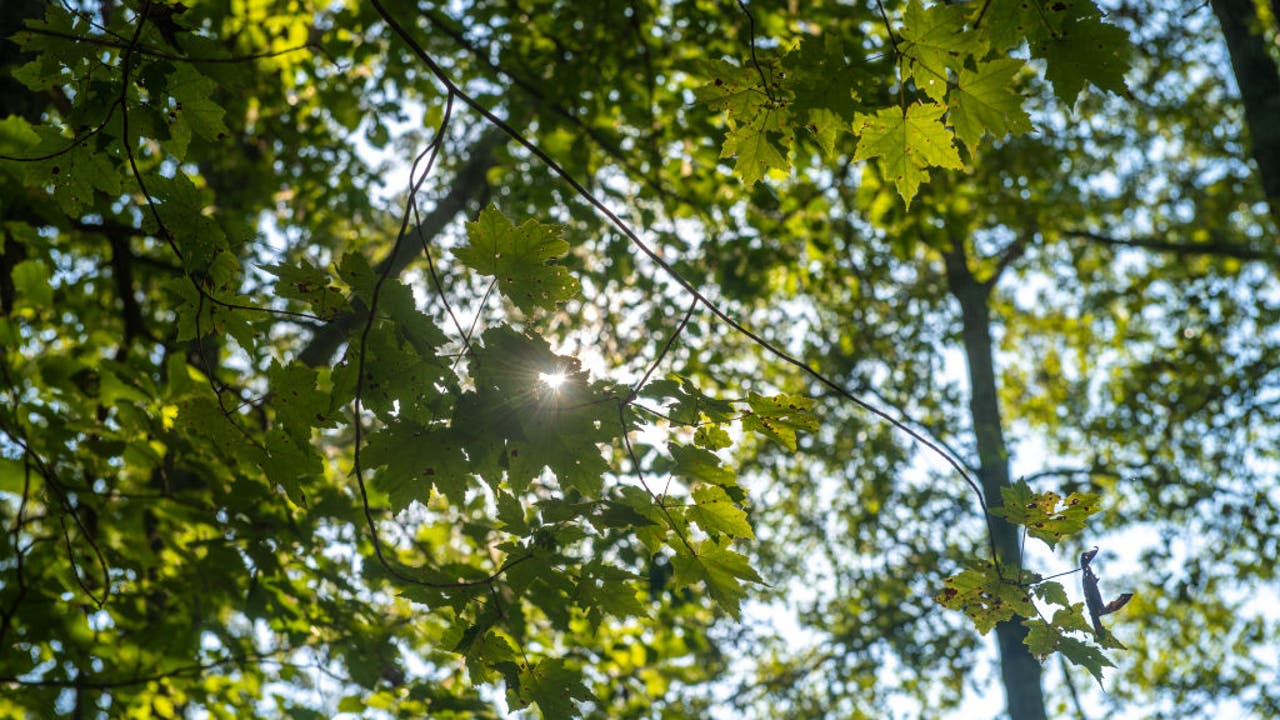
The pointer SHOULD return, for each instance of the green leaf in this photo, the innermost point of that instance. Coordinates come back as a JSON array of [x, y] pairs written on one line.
[[553, 687], [716, 513], [933, 40], [722, 569], [780, 416], [732, 88], [511, 513], [1042, 638], [985, 597], [699, 465], [613, 514], [1051, 591], [1047, 516], [906, 144], [194, 107], [712, 437], [691, 404], [759, 127], [299, 405], [1085, 655], [415, 459], [984, 101], [759, 145], [1084, 50], [519, 258], [291, 464], [485, 649], [12, 475], [17, 137], [303, 281], [32, 284], [824, 87]]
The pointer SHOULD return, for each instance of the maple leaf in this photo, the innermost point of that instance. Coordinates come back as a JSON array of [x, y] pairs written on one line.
[[715, 512], [417, 458], [933, 40], [193, 110], [518, 256], [1046, 516], [907, 144], [824, 87], [553, 687], [758, 146], [985, 597], [722, 569], [780, 416], [732, 88], [984, 101], [1085, 655], [1085, 50]]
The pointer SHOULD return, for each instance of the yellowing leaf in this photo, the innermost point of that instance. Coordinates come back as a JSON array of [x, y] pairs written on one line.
[[780, 416], [984, 101], [985, 597], [1046, 516], [519, 258], [906, 144]]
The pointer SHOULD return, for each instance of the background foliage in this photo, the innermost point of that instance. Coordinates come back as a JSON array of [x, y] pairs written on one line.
[[636, 360]]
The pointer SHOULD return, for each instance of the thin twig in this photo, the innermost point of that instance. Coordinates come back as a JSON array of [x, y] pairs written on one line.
[[557, 169], [751, 36]]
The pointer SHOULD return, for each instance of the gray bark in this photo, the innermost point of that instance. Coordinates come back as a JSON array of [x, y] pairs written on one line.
[[1259, 82], [1019, 670]]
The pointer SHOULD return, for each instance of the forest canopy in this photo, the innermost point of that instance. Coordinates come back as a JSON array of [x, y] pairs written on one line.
[[673, 359]]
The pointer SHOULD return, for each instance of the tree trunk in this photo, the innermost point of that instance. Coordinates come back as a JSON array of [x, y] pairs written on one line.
[[1019, 671], [1259, 82]]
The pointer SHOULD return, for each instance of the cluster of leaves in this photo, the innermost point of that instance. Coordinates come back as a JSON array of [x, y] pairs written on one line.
[[956, 81], [989, 593], [165, 427]]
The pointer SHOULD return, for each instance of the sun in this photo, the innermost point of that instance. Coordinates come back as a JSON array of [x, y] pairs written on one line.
[[552, 380]]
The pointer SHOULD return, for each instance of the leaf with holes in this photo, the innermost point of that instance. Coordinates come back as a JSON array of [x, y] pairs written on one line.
[[985, 597], [780, 416], [414, 458], [1046, 516], [1084, 50]]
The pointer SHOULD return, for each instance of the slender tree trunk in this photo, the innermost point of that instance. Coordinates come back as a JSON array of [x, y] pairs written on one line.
[[1019, 671], [1259, 82]]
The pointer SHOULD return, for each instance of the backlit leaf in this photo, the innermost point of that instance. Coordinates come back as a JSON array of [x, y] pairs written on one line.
[[519, 257], [906, 145]]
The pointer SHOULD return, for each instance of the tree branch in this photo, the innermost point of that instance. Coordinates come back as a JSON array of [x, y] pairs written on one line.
[[468, 186], [1217, 248], [1258, 80]]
